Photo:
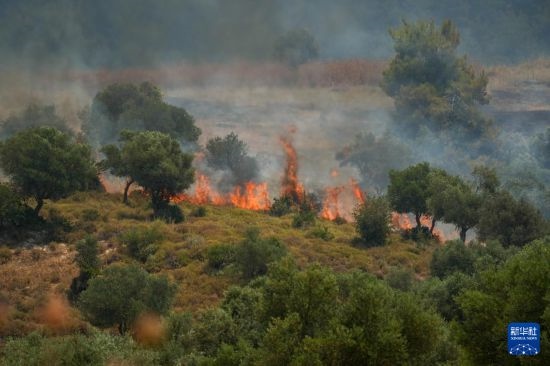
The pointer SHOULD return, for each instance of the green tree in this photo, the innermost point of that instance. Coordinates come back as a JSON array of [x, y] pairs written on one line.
[[510, 221], [516, 291], [136, 107], [372, 221], [255, 253], [120, 293], [44, 163], [433, 86], [296, 47], [88, 262], [408, 190], [153, 160], [230, 153], [13, 211]]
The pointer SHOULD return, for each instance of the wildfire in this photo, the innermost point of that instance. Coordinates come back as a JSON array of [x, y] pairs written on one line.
[[330, 209], [254, 196], [341, 200], [401, 221], [290, 185]]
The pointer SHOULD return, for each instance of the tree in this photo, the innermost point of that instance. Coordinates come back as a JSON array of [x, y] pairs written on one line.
[[372, 221], [88, 262], [13, 211], [432, 86], [119, 294], [154, 161], [255, 253], [44, 163], [408, 190], [517, 290], [230, 153], [136, 107], [453, 201], [296, 47], [510, 221]]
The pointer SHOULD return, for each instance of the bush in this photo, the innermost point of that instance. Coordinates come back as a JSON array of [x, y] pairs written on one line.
[[142, 242], [88, 262], [303, 219], [198, 212], [321, 232], [170, 213], [13, 212], [454, 256], [400, 278], [90, 214], [372, 221], [121, 293], [255, 253], [281, 206], [5, 254], [420, 235], [219, 256]]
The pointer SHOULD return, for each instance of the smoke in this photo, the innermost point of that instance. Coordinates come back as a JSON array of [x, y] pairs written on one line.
[[57, 315]]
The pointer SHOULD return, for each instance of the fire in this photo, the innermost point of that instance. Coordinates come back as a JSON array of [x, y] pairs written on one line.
[[254, 196], [290, 185], [401, 221], [341, 200]]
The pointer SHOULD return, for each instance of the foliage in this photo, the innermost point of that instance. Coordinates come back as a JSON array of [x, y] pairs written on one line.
[[88, 262], [34, 115], [255, 253], [154, 161], [408, 190], [517, 290], [220, 256], [43, 163], [303, 219], [510, 221], [136, 107], [296, 47], [13, 211], [372, 221], [230, 153], [200, 211], [321, 232], [119, 294], [431, 85], [281, 206], [142, 242], [454, 256], [169, 213]]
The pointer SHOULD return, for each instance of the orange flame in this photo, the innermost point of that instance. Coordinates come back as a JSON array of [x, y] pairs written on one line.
[[330, 209], [401, 221], [254, 196], [357, 191], [290, 185]]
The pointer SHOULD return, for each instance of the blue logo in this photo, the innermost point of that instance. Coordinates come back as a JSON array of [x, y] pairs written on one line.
[[524, 339]]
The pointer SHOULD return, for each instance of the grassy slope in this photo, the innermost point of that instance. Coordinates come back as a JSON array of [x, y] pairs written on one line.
[[32, 274]]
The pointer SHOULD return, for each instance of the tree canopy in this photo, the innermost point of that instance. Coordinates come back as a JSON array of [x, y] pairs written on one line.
[[136, 107], [44, 163], [433, 86], [153, 160], [121, 293]]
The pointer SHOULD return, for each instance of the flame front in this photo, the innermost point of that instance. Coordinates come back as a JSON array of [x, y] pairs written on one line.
[[290, 185]]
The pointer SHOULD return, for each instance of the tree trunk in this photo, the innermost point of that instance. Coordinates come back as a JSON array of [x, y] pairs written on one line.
[[122, 328], [417, 218], [463, 234], [39, 204], [433, 225], [128, 184]]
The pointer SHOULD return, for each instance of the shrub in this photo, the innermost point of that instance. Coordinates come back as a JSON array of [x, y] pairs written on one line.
[[255, 253], [88, 262], [321, 232], [142, 242], [90, 214], [454, 256], [281, 206], [198, 212], [303, 219], [13, 212], [5, 254], [372, 221], [170, 213], [219, 256]]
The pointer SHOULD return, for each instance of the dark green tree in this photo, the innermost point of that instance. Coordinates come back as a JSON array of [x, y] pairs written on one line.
[[296, 47], [136, 107], [372, 221], [44, 163], [13, 211], [153, 160], [510, 221], [408, 190], [433, 86], [120, 293], [230, 153]]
